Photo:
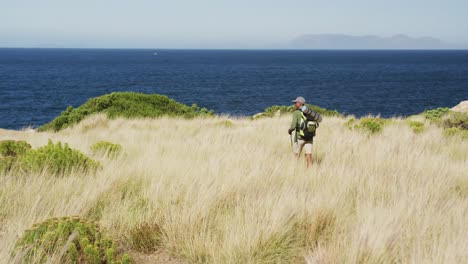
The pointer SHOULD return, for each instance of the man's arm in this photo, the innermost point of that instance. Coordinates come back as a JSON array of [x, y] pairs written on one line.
[[294, 121]]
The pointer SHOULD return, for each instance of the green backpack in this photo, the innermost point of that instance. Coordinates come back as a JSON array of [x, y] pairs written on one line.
[[307, 128]]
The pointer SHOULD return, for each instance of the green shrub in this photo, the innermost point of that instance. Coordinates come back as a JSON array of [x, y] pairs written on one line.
[[454, 123], [10, 151], [57, 159], [455, 131], [435, 115], [370, 125], [456, 119], [12, 148], [126, 259], [418, 127], [126, 105], [108, 149], [84, 240], [350, 123], [225, 123], [6, 164], [272, 110]]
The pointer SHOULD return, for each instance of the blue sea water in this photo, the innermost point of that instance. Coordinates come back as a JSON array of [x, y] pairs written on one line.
[[38, 84]]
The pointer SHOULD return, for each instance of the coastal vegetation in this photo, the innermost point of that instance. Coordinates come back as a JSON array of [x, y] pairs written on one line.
[[417, 126], [108, 149], [370, 125], [227, 190], [68, 240], [56, 159], [127, 105], [453, 123]]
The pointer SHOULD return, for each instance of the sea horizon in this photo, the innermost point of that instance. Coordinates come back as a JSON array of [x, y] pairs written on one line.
[[39, 83], [243, 49]]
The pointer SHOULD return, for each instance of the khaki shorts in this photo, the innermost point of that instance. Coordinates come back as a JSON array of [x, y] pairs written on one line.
[[301, 144]]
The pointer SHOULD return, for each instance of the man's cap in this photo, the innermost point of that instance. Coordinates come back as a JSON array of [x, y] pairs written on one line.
[[299, 99]]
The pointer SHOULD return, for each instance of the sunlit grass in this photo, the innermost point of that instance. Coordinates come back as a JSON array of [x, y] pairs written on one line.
[[219, 190]]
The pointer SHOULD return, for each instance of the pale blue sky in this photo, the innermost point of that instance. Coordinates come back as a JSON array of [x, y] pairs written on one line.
[[220, 24]]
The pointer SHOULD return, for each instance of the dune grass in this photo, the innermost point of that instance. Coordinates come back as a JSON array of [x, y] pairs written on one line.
[[204, 192]]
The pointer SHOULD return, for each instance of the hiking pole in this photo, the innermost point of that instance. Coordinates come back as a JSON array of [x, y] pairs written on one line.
[[290, 136]]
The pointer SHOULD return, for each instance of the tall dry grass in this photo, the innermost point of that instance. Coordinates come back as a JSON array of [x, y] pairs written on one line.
[[230, 191]]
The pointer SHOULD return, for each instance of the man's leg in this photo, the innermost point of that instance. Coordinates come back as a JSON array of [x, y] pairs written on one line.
[[308, 153], [309, 160], [297, 148]]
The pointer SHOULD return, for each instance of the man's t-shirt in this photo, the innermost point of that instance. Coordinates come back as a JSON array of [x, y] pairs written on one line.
[[296, 121]]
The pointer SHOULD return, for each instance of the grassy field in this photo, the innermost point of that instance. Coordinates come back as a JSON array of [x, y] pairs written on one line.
[[219, 190]]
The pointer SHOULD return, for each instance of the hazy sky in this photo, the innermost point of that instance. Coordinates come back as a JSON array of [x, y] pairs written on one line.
[[220, 24]]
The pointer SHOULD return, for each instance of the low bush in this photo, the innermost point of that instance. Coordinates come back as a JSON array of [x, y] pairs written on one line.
[[108, 149], [435, 115], [12, 148], [417, 126], [71, 240], [10, 151], [57, 159], [456, 120], [455, 131], [454, 123], [6, 164], [370, 125], [225, 123], [350, 123], [126, 105]]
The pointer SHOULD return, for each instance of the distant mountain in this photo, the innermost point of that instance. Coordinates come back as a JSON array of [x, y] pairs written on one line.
[[338, 41]]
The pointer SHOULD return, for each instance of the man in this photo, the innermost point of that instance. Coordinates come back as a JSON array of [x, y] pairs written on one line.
[[300, 141]]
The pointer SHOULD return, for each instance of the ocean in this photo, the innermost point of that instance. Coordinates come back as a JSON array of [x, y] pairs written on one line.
[[36, 85]]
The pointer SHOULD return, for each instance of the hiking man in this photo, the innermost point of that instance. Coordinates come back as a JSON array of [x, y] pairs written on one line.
[[304, 123]]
